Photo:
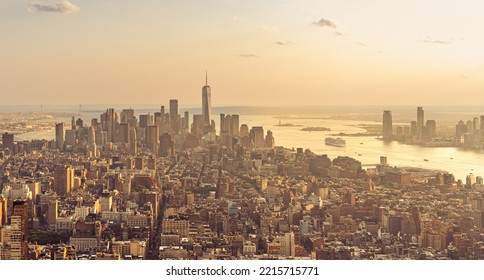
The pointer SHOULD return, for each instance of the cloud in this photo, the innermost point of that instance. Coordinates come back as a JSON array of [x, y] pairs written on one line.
[[236, 19], [283, 43], [247, 55], [325, 23], [270, 29], [361, 44], [436, 42], [65, 7]]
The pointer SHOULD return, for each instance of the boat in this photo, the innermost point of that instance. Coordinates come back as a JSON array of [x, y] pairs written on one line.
[[337, 142], [426, 159]]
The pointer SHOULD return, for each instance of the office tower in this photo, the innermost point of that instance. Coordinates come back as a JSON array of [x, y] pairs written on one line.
[[269, 141], [420, 121], [235, 125], [3, 210], [123, 132], [288, 245], [70, 138], [244, 130], [101, 138], [7, 141], [152, 138], [481, 123], [197, 125], [413, 128], [91, 136], [222, 123], [470, 126], [19, 227], [387, 125], [460, 130], [431, 128], [257, 136], [167, 145], [187, 121], [109, 124], [145, 120], [59, 135], [63, 180], [73, 123], [133, 146], [206, 103], [52, 212], [127, 116], [174, 117], [475, 124]]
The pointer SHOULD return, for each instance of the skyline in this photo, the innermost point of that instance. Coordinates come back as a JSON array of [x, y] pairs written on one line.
[[256, 53]]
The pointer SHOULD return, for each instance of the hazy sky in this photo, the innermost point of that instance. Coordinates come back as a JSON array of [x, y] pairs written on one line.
[[272, 52]]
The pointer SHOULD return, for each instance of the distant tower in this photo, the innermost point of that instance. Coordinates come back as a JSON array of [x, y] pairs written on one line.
[[206, 103], [174, 117], [387, 125], [8, 141], [59, 135], [420, 121]]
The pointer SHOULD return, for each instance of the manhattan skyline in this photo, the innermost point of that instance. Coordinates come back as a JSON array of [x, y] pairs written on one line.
[[257, 53]]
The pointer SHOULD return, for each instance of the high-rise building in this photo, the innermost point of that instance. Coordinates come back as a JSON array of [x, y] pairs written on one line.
[[269, 141], [197, 125], [481, 123], [235, 125], [3, 210], [206, 103], [167, 145], [91, 136], [387, 125], [63, 180], [133, 147], [174, 117], [19, 224], [145, 120], [110, 124], [127, 116], [7, 141], [257, 137], [152, 138], [52, 212], [431, 128], [420, 121], [186, 123], [123, 132], [59, 135]]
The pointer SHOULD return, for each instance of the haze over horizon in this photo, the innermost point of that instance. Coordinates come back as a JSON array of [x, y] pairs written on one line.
[[256, 52]]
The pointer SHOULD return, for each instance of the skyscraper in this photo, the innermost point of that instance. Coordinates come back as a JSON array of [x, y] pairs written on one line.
[[206, 103], [59, 135], [19, 223], [174, 117], [420, 121], [387, 125], [63, 180], [7, 140]]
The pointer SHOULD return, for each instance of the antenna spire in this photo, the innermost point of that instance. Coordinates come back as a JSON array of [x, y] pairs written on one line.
[[206, 77]]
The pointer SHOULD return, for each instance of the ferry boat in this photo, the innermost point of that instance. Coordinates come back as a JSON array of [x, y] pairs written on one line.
[[337, 142]]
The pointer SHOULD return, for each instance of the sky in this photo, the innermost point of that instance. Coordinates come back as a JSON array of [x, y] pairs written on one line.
[[256, 52]]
